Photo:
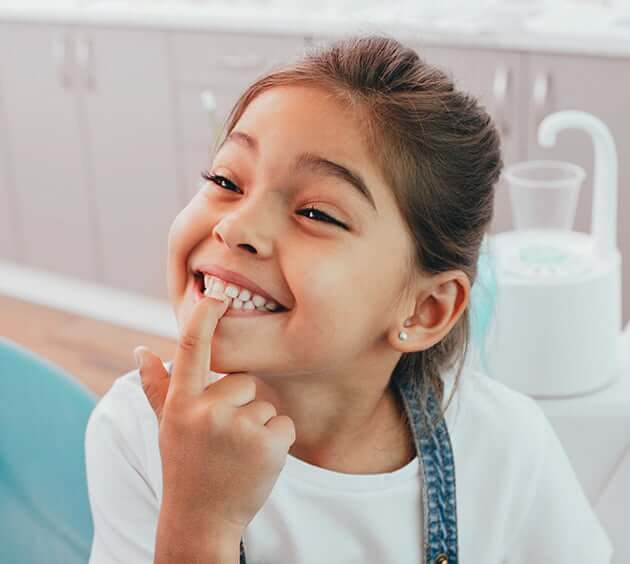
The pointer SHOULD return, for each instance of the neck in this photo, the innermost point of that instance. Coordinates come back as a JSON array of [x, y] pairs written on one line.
[[348, 421], [384, 446]]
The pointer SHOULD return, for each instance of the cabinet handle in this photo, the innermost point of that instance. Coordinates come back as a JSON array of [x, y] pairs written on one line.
[[83, 55], [542, 85], [500, 87], [60, 58], [241, 61]]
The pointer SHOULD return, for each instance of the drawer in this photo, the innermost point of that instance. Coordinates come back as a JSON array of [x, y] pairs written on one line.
[[199, 56]]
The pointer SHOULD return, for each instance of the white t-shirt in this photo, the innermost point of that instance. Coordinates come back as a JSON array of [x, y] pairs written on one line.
[[518, 498]]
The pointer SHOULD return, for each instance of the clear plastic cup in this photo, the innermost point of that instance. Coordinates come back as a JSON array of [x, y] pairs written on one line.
[[544, 194]]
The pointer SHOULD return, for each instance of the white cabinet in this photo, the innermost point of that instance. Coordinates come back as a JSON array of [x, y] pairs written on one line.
[[45, 137], [92, 140], [211, 70], [130, 135]]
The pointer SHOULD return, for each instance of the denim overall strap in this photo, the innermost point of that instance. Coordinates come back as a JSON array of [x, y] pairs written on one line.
[[437, 468]]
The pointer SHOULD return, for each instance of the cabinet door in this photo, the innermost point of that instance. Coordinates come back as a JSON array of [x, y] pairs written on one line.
[[494, 77], [8, 210], [126, 99], [45, 139], [600, 86]]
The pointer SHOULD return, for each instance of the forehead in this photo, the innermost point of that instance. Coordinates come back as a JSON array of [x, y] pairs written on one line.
[[294, 119]]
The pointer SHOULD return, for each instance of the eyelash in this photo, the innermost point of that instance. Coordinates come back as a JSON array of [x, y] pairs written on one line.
[[217, 179]]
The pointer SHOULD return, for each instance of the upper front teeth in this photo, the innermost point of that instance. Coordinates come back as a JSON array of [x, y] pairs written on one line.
[[242, 298]]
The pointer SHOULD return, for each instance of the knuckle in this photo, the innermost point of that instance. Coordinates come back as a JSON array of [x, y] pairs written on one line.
[[272, 408], [177, 415], [241, 377], [248, 382], [212, 415], [243, 425], [268, 407], [188, 341]]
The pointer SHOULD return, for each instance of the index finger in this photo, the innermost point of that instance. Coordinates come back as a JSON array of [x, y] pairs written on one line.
[[192, 355]]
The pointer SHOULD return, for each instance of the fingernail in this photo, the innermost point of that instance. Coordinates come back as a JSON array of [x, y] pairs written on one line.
[[137, 353]]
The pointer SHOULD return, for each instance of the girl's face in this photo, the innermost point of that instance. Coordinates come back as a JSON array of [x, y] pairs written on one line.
[[338, 269]]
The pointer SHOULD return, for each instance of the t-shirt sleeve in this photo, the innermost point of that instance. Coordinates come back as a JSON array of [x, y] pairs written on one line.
[[124, 506], [559, 524]]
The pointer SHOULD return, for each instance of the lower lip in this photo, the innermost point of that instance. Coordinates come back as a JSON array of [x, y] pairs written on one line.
[[231, 312]]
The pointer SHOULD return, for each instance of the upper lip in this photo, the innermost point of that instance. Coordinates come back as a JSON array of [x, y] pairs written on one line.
[[236, 278]]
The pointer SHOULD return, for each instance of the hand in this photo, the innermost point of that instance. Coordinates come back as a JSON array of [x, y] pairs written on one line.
[[222, 450]]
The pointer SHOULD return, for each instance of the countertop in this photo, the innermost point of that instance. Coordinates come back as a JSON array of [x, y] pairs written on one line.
[[563, 28]]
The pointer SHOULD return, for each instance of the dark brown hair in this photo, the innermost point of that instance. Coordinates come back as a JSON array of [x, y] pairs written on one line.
[[437, 146]]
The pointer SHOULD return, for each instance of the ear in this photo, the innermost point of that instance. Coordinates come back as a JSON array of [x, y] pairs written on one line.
[[437, 307]]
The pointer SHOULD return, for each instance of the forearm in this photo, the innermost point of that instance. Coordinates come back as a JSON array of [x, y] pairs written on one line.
[[190, 541]]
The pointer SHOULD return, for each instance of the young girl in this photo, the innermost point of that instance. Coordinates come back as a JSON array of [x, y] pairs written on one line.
[[318, 407]]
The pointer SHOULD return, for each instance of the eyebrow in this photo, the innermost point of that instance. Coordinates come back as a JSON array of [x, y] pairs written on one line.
[[311, 161]]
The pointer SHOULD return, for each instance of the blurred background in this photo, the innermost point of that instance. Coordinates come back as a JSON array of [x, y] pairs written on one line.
[[108, 110]]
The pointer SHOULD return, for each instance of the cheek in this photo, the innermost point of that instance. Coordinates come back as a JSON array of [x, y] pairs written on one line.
[[183, 235], [188, 228], [179, 230], [328, 305]]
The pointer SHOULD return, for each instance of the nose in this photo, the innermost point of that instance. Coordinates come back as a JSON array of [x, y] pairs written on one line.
[[250, 225]]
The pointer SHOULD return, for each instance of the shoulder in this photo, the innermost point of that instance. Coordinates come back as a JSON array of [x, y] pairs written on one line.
[[500, 435], [498, 403], [495, 411]]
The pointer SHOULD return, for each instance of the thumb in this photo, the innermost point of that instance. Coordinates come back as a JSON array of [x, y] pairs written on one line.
[[154, 377]]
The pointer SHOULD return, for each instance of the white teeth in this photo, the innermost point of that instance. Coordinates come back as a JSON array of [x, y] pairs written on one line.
[[231, 291], [244, 295], [240, 299]]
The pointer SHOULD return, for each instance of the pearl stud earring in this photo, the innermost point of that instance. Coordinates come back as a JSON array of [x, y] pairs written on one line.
[[402, 336]]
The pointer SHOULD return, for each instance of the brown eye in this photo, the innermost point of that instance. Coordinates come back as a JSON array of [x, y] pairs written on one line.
[[328, 218], [218, 180]]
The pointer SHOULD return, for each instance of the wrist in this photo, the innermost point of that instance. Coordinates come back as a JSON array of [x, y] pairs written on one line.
[[195, 541]]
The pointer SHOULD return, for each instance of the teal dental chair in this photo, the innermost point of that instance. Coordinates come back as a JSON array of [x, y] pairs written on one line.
[[44, 507]]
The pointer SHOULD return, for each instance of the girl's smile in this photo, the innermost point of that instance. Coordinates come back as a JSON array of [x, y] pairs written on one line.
[[246, 308]]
